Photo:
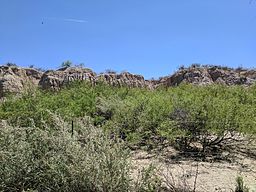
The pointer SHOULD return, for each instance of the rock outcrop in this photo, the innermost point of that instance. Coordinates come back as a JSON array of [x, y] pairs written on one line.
[[124, 79], [210, 75], [16, 80], [54, 80]]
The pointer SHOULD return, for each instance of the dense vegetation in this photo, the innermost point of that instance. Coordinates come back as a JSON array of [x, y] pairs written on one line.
[[40, 151], [186, 113]]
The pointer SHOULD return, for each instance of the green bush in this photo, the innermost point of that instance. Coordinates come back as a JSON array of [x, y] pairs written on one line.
[[212, 115], [55, 160], [186, 114], [240, 186]]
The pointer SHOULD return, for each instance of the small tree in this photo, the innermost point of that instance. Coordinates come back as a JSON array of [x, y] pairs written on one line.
[[195, 65], [110, 71], [11, 64], [66, 64], [182, 67]]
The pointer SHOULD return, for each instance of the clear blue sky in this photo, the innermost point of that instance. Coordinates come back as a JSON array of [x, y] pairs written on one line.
[[148, 37]]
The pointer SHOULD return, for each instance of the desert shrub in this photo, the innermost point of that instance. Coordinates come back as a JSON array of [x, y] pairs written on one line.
[[208, 115], [211, 115], [110, 71], [147, 180], [54, 160], [106, 108], [66, 64], [180, 183], [240, 186], [195, 65], [139, 116], [9, 64]]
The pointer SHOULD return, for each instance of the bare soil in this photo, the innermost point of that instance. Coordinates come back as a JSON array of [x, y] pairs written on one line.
[[210, 174]]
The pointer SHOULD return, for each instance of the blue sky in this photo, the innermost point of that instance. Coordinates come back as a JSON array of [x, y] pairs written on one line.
[[148, 37]]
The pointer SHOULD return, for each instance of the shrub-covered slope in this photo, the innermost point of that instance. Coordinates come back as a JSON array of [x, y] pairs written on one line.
[[193, 113], [39, 149]]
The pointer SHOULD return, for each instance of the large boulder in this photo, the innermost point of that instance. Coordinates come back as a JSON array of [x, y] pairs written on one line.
[[16, 80]]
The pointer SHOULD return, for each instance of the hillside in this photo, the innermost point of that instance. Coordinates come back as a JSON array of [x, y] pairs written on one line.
[[74, 130]]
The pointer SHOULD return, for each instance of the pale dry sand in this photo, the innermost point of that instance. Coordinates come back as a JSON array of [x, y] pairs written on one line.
[[211, 176]]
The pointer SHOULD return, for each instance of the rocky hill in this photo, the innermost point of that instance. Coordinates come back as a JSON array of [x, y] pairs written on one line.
[[15, 79], [207, 75], [54, 80]]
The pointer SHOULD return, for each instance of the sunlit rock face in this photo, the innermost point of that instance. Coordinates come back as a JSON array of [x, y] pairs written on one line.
[[124, 79], [16, 80], [210, 75], [54, 80]]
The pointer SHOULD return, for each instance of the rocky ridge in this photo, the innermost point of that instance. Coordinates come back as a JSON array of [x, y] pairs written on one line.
[[15, 79], [207, 75], [54, 80]]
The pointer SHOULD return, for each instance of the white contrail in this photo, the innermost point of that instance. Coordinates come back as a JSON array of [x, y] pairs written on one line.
[[76, 20], [67, 19]]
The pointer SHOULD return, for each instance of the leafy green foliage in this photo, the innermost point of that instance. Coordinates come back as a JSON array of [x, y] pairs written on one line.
[[66, 64], [187, 114], [38, 153]]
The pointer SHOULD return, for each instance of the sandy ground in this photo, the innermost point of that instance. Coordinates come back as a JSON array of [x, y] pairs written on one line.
[[210, 176]]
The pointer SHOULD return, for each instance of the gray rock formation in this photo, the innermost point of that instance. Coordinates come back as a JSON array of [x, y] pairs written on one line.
[[124, 79], [54, 80], [210, 75], [16, 80]]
